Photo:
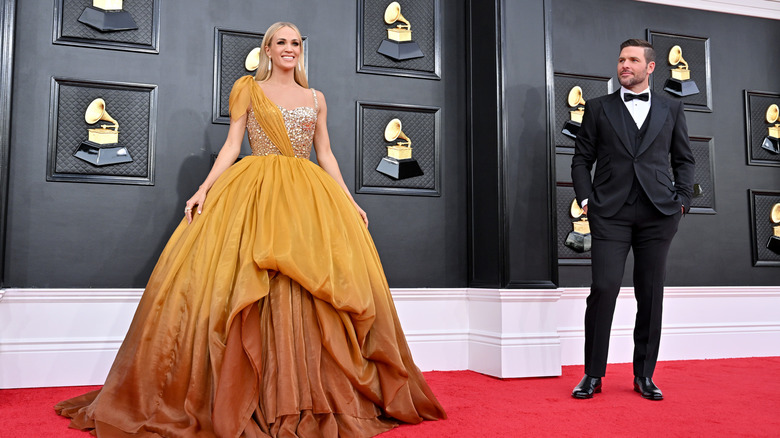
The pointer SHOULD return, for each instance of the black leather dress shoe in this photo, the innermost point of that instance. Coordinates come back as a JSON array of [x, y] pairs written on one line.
[[646, 387], [588, 386]]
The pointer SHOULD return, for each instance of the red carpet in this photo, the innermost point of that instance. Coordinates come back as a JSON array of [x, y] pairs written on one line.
[[720, 398]]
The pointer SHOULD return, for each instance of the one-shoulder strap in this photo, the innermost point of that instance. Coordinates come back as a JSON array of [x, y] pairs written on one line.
[[240, 97], [266, 112], [316, 105]]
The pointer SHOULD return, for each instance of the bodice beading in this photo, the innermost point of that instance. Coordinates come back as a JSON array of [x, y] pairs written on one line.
[[300, 123]]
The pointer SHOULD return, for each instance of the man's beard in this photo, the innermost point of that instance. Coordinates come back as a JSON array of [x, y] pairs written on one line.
[[633, 80]]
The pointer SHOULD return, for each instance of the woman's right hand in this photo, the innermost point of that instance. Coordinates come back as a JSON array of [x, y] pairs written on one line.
[[194, 203]]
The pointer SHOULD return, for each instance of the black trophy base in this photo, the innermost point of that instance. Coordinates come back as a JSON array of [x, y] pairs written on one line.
[[107, 21], [681, 88], [771, 144], [697, 190], [399, 169], [102, 154], [400, 50], [570, 129], [774, 244], [578, 242]]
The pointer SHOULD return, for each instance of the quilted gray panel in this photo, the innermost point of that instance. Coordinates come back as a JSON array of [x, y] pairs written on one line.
[[233, 48], [694, 52], [142, 12], [130, 107], [762, 226], [418, 125], [420, 13], [702, 174], [591, 87], [565, 194], [757, 106]]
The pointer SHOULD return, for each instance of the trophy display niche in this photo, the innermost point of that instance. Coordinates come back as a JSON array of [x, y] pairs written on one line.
[[398, 164], [772, 141], [399, 44], [774, 240], [102, 148], [107, 16], [574, 100], [680, 84], [252, 61], [579, 238]]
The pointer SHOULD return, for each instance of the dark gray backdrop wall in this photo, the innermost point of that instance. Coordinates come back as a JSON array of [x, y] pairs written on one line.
[[7, 21], [510, 166], [710, 249], [108, 235]]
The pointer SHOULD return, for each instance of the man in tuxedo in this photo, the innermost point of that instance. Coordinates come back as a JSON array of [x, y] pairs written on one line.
[[642, 186]]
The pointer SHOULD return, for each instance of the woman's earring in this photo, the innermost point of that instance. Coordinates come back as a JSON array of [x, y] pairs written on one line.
[[270, 66]]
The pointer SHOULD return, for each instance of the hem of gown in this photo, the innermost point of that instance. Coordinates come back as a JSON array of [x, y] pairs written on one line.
[[329, 424], [251, 422]]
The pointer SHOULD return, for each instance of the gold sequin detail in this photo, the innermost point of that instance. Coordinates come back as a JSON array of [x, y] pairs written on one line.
[[300, 123]]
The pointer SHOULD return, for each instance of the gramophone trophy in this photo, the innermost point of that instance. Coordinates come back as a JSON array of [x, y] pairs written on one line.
[[774, 240], [103, 146], [399, 44], [680, 84], [107, 16], [252, 61], [398, 164], [772, 141], [572, 126], [579, 238]]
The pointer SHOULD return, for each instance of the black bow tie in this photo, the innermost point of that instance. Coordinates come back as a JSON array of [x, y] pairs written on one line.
[[631, 96]]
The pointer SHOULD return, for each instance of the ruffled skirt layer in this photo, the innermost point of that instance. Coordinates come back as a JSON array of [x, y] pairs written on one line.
[[269, 315]]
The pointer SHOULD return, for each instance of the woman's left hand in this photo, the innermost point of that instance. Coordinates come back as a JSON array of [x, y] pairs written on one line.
[[362, 213]]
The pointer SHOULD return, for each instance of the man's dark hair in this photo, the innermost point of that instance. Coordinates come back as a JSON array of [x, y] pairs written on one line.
[[649, 51]]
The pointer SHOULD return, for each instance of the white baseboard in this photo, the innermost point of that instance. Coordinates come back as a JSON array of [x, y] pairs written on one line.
[[68, 337], [698, 323], [61, 337]]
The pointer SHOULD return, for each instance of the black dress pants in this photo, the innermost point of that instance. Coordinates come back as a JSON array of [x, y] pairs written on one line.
[[638, 226]]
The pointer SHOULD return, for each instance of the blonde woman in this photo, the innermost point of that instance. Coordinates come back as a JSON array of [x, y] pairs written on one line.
[[268, 313]]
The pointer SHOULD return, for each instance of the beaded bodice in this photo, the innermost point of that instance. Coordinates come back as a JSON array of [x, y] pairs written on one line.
[[300, 123]]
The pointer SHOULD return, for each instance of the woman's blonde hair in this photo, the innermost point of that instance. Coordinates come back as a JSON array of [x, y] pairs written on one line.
[[264, 70]]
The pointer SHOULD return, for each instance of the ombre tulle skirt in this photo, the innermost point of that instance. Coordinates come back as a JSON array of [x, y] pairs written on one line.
[[269, 315]]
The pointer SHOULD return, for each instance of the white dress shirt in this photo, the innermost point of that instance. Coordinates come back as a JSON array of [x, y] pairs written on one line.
[[638, 108]]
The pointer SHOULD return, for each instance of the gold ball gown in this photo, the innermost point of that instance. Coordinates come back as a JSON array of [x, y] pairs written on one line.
[[269, 315]]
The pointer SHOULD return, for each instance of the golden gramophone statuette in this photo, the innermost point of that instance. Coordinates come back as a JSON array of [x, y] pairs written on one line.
[[680, 84], [576, 212], [107, 16], [102, 147], [252, 61], [572, 126], [774, 240], [579, 239], [398, 164], [772, 140], [399, 44], [774, 216]]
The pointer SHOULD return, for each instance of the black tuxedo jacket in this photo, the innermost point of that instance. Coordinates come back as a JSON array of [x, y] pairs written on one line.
[[663, 163]]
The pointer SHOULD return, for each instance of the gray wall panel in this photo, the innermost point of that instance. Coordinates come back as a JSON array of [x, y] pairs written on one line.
[[510, 233], [527, 157], [8, 17]]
